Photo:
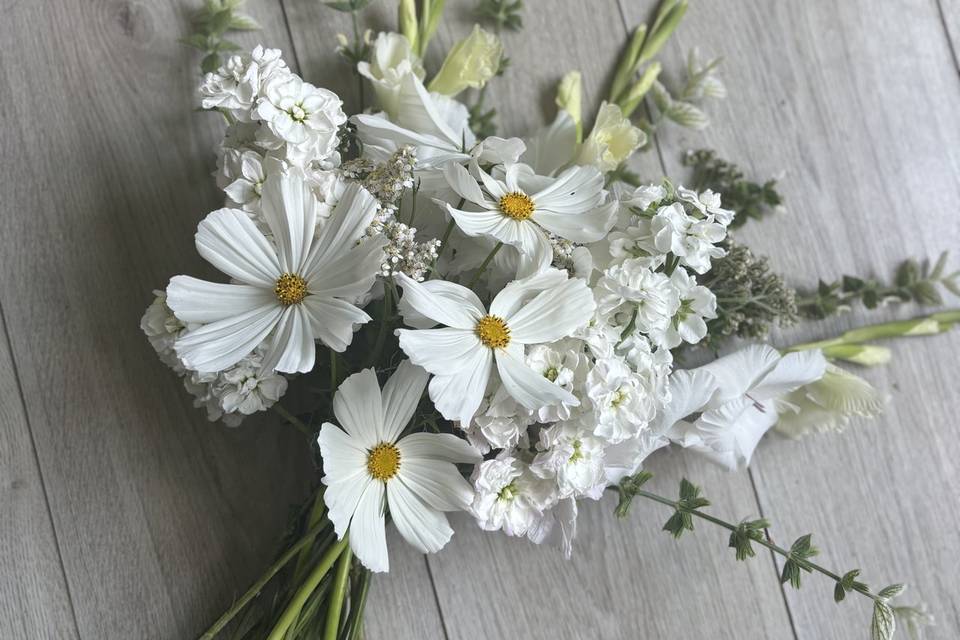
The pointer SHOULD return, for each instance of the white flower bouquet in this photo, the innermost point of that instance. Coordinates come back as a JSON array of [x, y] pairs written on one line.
[[496, 324]]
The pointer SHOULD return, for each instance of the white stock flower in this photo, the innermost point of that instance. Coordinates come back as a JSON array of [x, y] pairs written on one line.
[[520, 209], [633, 285], [162, 329], [235, 87], [573, 458], [289, 293], [370, 470], [622, 401], [690, 238], [461, 354], [509, 496], [391, 60], [566, 366], [696, 303], [302, 116], [612, 140], [253, 169], [747, 388], [707, 203]]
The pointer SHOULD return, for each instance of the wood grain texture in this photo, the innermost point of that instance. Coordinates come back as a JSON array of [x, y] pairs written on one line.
[[869, 141], [162, 518], [34, 599], [950, 16]]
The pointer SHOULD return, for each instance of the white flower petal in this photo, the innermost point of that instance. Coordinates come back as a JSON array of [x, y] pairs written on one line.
[[292, 349], [425, 528], [494, 187], [440, 351], [229, 240], [438, 446], [458, 395], [741, 370], [583, 226], [793, 371], [446, 309], [357, 405], [193, 300], [290, 210], [437, 483], [553, 146], [332, 320], [516, 294], [347, 223], [576, 190], [352, 274], [368, 530], [553, 314], [453, 292], [481, 223], [528, 387], [464, 185], [343, 456], [400, 397], [222, 344], [342, 496]]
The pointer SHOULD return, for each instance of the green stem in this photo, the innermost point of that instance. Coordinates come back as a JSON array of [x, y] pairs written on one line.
[[258, 586], [922, 326], [356, 47], [384, 324], [316, 515], [303, 593], [444, 241], [803, 562], [358, 601], [335, 606], [333, 370], [485, 264], [280, 410]]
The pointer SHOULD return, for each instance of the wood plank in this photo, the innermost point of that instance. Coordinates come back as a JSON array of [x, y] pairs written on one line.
[[34, 599], [950, 16], [162, 517], [870, 144]]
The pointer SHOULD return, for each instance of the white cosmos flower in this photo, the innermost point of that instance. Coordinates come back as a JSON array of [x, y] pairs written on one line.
[[747, 388], [520, 209], [461, 354], [370, 469], [289, 292]]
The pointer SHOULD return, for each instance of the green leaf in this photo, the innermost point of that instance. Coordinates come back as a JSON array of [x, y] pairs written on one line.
[[687, 115], [951, 286], [348, 6], [197, 41], [892, 591], [210, 63], [243, 22], [884, 623], [839, 593], [907, 273], [939, 267], [925, 292], [802, 547], [220, 22], [852, 284], [791, 574]]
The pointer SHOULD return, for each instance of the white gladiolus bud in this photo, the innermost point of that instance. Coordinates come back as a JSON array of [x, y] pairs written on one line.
[[471, 63], [612, 141]]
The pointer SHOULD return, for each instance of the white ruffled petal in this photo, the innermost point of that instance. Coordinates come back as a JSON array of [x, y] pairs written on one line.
[[400, 397], [342, 496], [368, 530], [343, 456], [292, 349], [576, 190], [437, 483], [423, 527], [457, 396], [358, 407], [352, 275], [438, 446], [290, 210], [332, 320], [528, 387], [453, 292], [440, 351], [586, 226], [553, 314], [464, 185], [516, 294], [458, 307], [193, 300], [347, 223], [222, 344], [229, 240]]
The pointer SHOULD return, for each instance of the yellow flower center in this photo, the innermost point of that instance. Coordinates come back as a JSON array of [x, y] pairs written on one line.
[[383, 461], [516, 205], [493, 332], [290, 289]]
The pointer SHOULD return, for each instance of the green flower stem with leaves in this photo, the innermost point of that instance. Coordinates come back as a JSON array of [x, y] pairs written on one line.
[[483, 265], [923, 326]]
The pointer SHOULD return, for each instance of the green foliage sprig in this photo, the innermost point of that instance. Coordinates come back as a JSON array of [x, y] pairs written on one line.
[[912, 281], [359, 49], [751, 200], [504, 14], [211, 24], [797, 559]]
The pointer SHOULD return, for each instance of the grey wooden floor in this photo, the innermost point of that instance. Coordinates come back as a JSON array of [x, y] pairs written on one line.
[[124, 514]]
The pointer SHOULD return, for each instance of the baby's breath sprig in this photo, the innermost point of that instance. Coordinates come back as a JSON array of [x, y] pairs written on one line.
[[912, 281], [746, 533], [210, 24]]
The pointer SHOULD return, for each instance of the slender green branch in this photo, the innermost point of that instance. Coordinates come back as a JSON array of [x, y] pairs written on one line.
[[358, 601], [292, 611], [335, 604], [284, 413], [483, 265], [317, 512], [261, 582]]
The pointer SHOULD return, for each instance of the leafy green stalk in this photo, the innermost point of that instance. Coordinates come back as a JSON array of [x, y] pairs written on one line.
[[210, 26], [797, 559], [751, 200]]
